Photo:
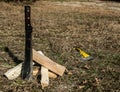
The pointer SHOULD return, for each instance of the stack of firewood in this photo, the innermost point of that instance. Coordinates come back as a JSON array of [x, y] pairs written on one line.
[[48, 69]]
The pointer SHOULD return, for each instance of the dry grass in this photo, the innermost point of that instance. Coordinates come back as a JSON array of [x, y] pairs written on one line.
[[57, 30]]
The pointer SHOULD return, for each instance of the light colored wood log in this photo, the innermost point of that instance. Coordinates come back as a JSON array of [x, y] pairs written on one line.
[[51, 74], [44, 77], [35, 70], [48, 63], [13, 72]]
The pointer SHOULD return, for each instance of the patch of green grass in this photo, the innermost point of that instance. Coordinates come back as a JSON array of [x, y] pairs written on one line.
[[1, 48]]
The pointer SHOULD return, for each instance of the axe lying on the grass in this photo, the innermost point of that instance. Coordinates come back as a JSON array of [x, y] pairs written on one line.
[[85, 56]]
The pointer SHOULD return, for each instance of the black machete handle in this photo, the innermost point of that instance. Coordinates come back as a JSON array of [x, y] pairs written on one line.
[[27, 65]]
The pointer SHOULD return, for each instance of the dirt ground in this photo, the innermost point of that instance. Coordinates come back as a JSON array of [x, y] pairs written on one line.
[[58, 27]]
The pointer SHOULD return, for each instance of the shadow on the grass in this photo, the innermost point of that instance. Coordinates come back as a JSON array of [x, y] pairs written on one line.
[[10, 53]]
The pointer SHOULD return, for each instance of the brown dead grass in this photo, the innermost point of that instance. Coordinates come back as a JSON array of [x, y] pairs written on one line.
[[56, 31]]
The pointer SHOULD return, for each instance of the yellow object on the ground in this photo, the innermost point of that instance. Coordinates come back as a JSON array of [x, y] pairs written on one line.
[[84, 54]]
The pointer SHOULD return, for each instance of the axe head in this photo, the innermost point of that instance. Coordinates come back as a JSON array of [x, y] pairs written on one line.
[[87, 58]]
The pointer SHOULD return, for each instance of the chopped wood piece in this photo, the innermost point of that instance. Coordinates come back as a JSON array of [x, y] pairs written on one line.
[[52, 75], [44, 77], [35, 70], [48, 63], [13, 72]]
